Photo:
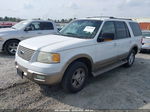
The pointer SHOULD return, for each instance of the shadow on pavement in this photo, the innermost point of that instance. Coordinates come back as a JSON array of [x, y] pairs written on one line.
[[121, 88], [4, 55]]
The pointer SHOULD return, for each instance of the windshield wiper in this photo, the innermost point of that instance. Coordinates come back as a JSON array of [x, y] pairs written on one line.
[[71, 33]]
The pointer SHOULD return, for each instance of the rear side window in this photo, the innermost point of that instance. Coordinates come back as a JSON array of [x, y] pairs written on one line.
[[136, 29], [122, 30], [46, 26]]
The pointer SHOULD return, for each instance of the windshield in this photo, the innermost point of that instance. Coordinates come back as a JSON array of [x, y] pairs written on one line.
[[81, 29], [146, 34], [20, 25]]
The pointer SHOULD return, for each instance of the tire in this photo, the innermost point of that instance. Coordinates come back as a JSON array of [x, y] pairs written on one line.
[[75, 77], [10, 47], [130, 59]]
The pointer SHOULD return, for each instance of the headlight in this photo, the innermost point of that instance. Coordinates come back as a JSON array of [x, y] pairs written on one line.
[[45, 57], [1, 39]]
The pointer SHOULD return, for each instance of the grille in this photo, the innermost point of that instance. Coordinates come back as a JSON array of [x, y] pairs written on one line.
[[25, 53]]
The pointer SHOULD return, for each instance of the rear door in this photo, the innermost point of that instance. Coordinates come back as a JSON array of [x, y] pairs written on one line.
[[122, 39]]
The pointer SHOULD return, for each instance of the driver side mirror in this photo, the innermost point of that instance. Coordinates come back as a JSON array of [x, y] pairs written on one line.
[[28, 28], [106, 37]]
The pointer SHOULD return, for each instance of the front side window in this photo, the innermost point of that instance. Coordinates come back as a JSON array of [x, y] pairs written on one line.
[[35, 26], [122, 30], [108, 28], [82, 29], [107, 32]]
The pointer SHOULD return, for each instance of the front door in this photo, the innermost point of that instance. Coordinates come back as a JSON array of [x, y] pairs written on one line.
[[106, 50], [32, 30]]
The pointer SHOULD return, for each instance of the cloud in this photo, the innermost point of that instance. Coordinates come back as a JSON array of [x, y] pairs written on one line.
[[58, 9], [28, 6], [73, 6]]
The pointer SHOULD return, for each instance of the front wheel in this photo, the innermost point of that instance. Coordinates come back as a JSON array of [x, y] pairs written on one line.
[[11, 47], [130, 59], [75, 77]]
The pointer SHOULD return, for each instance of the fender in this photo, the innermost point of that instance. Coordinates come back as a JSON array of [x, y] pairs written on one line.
[[75, 58]]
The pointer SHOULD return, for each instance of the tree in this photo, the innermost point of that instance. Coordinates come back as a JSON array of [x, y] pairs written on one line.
[[6, 18]]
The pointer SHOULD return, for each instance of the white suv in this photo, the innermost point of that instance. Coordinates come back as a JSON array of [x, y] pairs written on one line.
[[10, 37], [84, 47]]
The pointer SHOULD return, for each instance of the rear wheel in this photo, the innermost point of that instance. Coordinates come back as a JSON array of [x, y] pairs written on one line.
[[10, 47], [130, 59], [75, 77]]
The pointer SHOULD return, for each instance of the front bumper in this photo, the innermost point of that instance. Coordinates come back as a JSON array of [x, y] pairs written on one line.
[[40, 78]]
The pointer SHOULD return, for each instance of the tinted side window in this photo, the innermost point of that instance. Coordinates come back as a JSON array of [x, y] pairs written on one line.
[[108, 27], [136, 29], [122, 30], [46, 26]]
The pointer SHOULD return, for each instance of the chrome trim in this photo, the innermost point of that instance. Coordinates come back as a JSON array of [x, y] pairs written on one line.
[[33, 72], [25, 53], [39, 80]]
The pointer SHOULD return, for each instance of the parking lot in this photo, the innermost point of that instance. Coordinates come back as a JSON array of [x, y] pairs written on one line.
[[121, 88]]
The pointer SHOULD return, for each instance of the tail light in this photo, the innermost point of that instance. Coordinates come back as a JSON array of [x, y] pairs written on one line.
[[142, 40]]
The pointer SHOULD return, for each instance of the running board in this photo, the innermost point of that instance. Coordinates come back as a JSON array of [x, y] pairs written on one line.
[[110, 67]]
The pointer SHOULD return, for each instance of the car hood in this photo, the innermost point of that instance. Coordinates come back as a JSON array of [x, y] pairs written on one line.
[[50, 43], [4, 31]]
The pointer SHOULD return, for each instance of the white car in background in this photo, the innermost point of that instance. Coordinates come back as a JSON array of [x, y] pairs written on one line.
[[146, 40], [10, 37]]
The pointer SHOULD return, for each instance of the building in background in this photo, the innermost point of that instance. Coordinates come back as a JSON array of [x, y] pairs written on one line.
[[144, 23]]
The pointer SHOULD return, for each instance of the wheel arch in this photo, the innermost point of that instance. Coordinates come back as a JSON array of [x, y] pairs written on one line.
[[82, 58], [8, 41], [135, 48]]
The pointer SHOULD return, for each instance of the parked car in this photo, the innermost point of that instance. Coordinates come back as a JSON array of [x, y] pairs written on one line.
[[84, 47], [5, 26], [146, 40], [10, 37]]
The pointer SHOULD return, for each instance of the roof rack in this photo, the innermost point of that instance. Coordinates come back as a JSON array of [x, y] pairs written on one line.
[[110, 17], [122, 18], [100, 17]]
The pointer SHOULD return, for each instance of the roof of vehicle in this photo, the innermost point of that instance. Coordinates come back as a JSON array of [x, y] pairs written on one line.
[[107, 18], [32, 20]]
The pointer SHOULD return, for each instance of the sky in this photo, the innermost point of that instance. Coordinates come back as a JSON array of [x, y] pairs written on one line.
[[58, 9]]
